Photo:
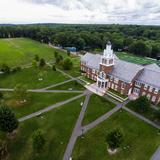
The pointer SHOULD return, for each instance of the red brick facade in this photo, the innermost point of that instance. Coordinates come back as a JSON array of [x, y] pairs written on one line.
[[119, 85]]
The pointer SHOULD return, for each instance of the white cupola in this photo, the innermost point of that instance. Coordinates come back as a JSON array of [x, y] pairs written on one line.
[[108, 55]]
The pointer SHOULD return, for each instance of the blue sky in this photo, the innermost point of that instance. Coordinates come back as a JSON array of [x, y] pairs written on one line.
[[80, 11]]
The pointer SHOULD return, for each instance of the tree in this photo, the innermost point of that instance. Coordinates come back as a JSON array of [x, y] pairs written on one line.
[[34, 63], [59, 59], [5, 68], [1, 95], [36, 58], [20, 92], [67, 64], [141, 104], [8, 121], [55, 54], [42, 63], [68, 53], [140, 48], [54, 67], [114, 139], [38, 140]]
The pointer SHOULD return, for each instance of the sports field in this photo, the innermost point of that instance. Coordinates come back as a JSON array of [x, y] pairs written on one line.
[[21, 51], [136, 59]]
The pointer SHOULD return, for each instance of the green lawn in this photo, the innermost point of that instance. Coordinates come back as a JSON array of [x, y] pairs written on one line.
[[72, 85], [20, 51], [35, 102], [97, 106], [149, 114], [87, 80], [30, 78], [136, 59], [57, 132], [141, 138]]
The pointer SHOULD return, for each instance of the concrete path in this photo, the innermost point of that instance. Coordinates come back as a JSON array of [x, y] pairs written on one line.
[[142, 118], [43, 91], [156, 155], [47, 109], [64, 73], [54, 91], [58, 84], [101, 119], [77, 129]]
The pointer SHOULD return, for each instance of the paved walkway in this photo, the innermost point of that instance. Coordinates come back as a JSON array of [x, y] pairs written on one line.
[[101, 119], [47, 109], [43, 91], [54, 91], [142, 118], [77, 129], [156, 155]]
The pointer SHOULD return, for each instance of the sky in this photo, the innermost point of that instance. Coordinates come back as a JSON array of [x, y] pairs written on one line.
[[145, 12]]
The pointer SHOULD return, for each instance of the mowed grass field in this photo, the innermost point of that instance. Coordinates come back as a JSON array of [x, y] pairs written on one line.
[[35, 102], [30, 78], [140, 140], [136, 59], [57, 131], [21, 51], [97, 106]]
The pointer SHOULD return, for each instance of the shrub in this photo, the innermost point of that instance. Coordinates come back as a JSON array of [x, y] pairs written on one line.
[[42, 63], [54, 68], [55, 54], [38, 140], [67, 64], [16, 69], [59, 59], [114, 139], [5, 68], [1, 95], [68, 53], [8, 121], [36, 58]]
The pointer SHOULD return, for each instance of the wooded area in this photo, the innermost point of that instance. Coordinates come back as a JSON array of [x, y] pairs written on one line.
[[139, 40]]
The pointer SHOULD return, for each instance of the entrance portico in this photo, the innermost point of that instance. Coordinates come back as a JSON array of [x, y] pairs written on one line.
[[102, 83]]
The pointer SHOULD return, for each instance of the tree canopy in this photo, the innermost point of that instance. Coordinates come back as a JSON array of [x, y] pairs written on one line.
[[8, 121]]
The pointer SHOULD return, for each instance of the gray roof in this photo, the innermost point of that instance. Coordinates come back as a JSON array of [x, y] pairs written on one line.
[[92, 60], [150, 75], [125, 71], [153, 67]]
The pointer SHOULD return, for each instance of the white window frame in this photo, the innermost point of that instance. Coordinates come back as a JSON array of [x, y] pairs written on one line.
[[150, 89], [116, 80], [156, 91], [111, 78], [123, 85], [93, 71], [137, 84], [153, 99], [145, 86]]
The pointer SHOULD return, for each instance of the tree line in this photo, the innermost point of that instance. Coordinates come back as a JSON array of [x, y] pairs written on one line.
[[139, 40]]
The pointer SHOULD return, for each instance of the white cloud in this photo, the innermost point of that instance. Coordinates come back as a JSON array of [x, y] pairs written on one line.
[[80, 11]]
